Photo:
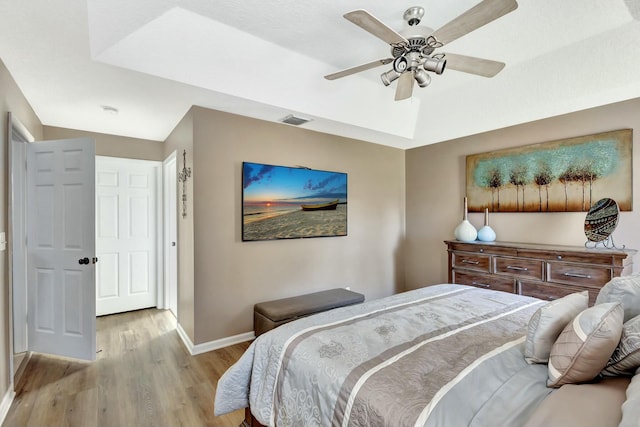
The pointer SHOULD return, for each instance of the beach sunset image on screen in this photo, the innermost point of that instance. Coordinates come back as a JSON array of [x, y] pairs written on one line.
[[280, 202]]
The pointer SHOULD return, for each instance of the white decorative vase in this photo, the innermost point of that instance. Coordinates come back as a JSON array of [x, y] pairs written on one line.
[[465, 231], [486, 233]]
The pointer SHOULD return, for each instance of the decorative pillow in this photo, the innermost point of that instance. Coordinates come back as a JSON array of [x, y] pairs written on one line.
[[548, 321], [625, 290], [626, 358], [585, 345]]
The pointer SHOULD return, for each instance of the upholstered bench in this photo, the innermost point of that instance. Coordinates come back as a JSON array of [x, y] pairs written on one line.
[[270, 314]]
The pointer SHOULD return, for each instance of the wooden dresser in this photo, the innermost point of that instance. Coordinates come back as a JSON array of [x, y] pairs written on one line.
[[542, 271]]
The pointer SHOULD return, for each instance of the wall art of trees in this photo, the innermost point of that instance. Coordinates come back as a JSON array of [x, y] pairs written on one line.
[[559, 176]]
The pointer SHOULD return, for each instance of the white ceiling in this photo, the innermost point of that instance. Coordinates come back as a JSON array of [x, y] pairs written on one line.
[[154, 59]]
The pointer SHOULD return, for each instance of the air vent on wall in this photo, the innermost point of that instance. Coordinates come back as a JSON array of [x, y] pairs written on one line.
[[293, 120]]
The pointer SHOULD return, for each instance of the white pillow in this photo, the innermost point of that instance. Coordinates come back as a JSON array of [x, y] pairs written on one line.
[[625, 290], [585, 345], [548, 321]]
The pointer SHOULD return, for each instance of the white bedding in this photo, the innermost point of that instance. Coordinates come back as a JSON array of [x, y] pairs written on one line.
[[444, 355]]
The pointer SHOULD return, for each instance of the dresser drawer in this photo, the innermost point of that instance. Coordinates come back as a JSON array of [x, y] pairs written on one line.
[[469, 261], [550, 292], [481, 247], [520, 267], [485, 281], [579, 275]]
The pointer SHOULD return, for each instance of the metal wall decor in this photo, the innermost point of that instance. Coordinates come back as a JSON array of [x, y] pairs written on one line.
[[182, 177], [599, 224]]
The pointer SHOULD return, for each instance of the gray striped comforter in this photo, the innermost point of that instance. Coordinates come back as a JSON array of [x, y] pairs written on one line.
[[443, 355]]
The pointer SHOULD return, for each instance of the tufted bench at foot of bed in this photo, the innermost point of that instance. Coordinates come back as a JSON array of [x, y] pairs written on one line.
[[270, 314]]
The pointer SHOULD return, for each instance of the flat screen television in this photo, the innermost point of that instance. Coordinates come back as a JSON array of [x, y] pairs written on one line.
[[281, 202]]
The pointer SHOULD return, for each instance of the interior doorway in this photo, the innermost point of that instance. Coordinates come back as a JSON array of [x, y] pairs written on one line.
[[19, 138], [128, 234]]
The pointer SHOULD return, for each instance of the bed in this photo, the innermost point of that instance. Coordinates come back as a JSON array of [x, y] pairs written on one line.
[[443, 355]]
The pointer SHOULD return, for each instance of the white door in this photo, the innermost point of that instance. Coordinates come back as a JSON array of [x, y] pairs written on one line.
[[127, 215], [61, 248], [171, 233]]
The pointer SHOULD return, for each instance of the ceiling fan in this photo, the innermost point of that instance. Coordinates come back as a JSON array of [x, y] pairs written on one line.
[[413, 49]]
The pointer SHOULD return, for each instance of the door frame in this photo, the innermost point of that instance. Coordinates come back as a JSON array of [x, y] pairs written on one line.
[[17, 133], [167, 182]]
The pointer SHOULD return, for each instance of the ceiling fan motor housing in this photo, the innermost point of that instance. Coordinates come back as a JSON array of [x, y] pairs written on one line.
[[416, 44]]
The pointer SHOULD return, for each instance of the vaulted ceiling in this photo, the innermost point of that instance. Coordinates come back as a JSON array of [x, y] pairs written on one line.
[[153, 59]]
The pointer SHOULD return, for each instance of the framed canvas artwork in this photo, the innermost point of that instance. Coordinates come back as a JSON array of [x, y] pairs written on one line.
[[567, 175]]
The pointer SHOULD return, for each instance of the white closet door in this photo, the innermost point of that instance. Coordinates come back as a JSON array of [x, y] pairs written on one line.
[[127, 217]]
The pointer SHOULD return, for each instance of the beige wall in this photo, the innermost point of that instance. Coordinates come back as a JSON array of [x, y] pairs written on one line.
[[435, 178], [221, 277], [112, 145], [11, 100], [181, 138], [231, 275]]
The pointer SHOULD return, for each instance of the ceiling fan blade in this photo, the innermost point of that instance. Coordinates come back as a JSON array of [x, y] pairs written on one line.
[[472, 65], [357, 69], [474, 18], [405, 86], [373, 25]]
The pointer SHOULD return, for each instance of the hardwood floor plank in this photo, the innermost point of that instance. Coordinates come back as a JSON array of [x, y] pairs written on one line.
[[142, 376], [76, 415]]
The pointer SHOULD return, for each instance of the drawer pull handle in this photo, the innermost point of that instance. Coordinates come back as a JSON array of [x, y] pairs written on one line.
[[515, 267], [483, 285], [578, 275], [467, 261]]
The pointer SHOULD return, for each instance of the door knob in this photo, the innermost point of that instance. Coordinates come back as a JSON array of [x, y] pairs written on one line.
[[84, 260]]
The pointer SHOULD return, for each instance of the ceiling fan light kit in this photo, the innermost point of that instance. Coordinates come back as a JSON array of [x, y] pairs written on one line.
[[434, 64], [422, 78], [389, 77], [412, 49]]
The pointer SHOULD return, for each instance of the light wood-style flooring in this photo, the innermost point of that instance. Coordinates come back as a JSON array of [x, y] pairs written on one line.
[[143, 376]]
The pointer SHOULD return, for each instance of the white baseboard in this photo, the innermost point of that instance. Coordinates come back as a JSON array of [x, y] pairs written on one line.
[[6, 403], [212, 345]]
